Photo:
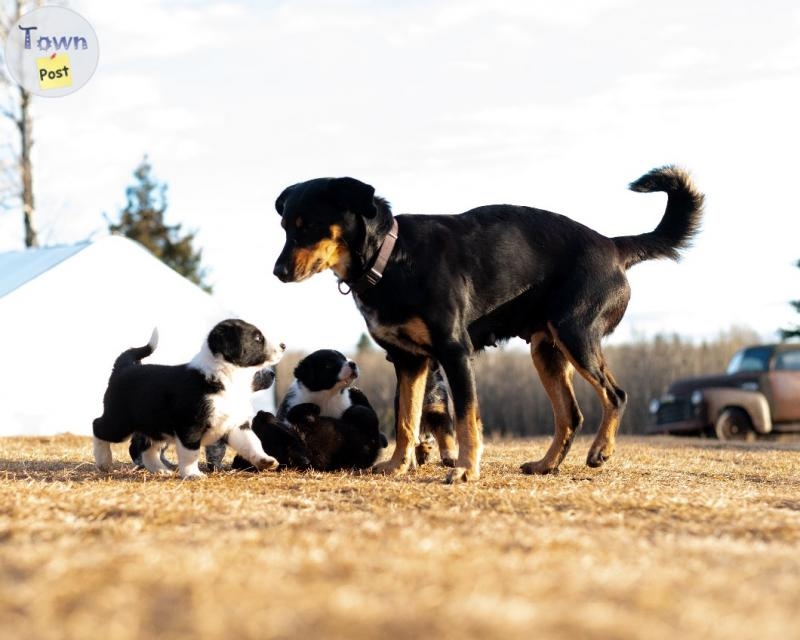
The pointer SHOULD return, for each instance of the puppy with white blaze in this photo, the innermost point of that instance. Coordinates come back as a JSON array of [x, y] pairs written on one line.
[[323, 378], [192, 404]]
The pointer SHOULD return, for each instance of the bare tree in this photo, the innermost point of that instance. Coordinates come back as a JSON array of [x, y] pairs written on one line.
[[16, 181]]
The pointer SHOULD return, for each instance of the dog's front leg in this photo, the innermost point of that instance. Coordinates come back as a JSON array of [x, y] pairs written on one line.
[[412, 373], [247, 445], [187, 460], [457, 366]]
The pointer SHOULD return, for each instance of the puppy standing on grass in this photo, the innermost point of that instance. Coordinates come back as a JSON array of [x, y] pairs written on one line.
[[192, 404]]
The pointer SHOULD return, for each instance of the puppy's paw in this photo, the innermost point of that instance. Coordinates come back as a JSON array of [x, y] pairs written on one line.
[[539, 468], [195, 474], [447, 461], [462, 474], [390, 468], [266, 464], [103, 459]]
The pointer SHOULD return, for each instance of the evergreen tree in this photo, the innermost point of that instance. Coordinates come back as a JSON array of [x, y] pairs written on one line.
[[795, 331], [142, 220]]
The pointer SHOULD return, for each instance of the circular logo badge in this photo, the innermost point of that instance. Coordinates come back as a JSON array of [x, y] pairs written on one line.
[[52, 51]]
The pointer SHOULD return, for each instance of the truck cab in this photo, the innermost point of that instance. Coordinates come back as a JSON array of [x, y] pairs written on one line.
[[758, 395]]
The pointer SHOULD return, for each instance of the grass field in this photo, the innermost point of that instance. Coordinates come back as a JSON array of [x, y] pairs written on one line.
[[673, 539]]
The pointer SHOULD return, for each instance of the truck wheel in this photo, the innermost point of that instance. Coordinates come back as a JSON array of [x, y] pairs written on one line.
[[734, 424]]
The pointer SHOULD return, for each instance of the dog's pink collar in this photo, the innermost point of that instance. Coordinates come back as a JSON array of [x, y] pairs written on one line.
[[374, 274]]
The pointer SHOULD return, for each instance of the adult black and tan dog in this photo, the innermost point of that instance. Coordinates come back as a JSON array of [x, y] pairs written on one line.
[[442, 286]]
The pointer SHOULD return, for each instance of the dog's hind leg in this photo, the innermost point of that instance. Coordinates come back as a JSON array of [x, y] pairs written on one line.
[[412, 373], [103, 459], [103, 437], [469, 430], [556, 374], [582, 348], [151, 457]]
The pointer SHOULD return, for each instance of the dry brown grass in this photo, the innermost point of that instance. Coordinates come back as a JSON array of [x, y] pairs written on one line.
[[675, 538]]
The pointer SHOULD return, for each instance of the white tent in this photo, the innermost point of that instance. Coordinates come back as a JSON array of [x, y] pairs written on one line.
[[67, 312]]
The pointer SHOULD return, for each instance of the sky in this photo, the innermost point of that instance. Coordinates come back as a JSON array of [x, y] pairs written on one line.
[[442, 106]]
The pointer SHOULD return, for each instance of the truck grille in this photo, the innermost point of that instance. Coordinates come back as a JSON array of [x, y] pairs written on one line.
[[677, 411]]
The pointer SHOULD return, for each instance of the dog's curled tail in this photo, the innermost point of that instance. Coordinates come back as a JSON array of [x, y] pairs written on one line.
[[136, 354], [680, 223]]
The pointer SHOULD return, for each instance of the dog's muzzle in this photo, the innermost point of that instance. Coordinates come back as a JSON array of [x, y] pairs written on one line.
[[281, 271]]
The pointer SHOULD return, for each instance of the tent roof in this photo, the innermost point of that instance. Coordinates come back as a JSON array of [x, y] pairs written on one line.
[[20, 267]]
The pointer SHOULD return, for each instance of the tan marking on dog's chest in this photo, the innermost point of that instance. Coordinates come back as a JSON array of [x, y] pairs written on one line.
[[413, 335]]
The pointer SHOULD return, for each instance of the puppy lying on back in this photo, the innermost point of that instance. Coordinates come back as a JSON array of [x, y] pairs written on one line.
[[279, 440], [192, 404], [334, 420]]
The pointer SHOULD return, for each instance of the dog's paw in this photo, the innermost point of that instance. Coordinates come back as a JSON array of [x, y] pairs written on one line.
[[597, 458], [539, 468], [195, 474], [266, 464], [105, 467], [423, 451], [390, 468], [462, 474], [447, 461], [599, 453]]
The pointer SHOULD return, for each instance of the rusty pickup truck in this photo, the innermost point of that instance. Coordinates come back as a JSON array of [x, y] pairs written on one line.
[[759, 395]]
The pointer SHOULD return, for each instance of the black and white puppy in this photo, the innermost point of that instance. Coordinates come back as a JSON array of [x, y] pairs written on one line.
[[192, 404], [350, 442], [323, 415], [262, 380], [323, 378]]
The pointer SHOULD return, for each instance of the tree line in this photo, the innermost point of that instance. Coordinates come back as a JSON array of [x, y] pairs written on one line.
[[513, 402]]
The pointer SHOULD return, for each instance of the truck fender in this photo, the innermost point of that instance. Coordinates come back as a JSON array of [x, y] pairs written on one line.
[[753, 402]]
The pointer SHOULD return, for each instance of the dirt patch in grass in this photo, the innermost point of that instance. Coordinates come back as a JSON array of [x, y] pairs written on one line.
[[673, 538]]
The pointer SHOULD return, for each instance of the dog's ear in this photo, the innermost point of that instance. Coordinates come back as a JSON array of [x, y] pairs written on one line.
[[303, 369], [281, 201], [354, 195], [225, 340]]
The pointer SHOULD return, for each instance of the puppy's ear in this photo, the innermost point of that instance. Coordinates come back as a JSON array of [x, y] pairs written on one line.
[[282, 199], [355, 196], [303, 369], [224, 340]]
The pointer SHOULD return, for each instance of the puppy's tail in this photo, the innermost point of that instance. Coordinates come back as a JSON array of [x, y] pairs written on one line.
[[681, 221], [135, 355]]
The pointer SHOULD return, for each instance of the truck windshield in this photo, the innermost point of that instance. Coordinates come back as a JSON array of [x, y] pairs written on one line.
[[753, 359]]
